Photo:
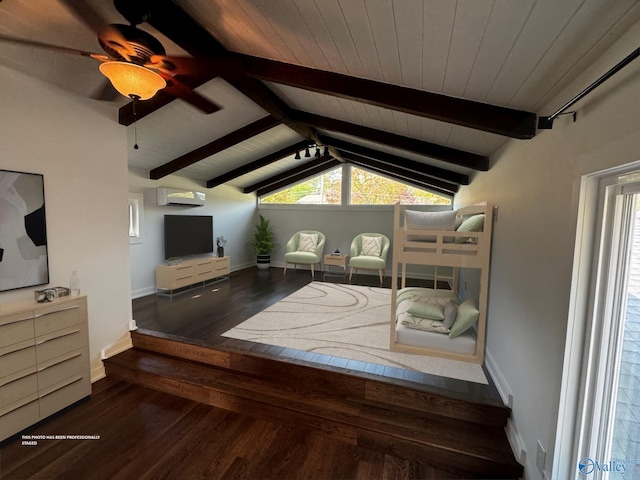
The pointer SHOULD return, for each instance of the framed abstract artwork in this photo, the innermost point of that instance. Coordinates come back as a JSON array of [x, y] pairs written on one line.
[[23, 231]]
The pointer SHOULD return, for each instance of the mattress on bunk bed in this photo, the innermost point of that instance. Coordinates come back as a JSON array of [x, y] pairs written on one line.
[[429, 333]]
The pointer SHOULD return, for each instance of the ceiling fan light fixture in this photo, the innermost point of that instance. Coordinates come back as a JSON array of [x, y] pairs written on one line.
[[133, 80]]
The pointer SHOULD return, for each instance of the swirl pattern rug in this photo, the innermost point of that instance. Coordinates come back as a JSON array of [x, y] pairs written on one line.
[[346, 321]]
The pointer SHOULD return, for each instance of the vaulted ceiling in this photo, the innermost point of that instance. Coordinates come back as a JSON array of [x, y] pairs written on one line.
[[420, 90]]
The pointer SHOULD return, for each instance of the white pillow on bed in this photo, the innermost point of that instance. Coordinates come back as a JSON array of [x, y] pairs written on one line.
[[416, 220], [467, 315]]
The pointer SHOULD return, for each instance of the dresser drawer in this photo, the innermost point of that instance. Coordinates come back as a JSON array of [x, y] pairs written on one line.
[[57, 343], [63, 394], [17, 417], [15, 389], [16, 328], [21, 357], [58, 317], [59, 368]]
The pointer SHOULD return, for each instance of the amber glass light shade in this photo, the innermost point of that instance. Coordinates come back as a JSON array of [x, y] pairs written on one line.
[[133, 80]]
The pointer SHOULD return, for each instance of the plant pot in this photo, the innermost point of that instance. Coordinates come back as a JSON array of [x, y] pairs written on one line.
[[221, 251], [264, 261]]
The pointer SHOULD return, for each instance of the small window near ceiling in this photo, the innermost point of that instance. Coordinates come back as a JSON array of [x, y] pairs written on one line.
[[370, 189], [324, 189], [136, 209]]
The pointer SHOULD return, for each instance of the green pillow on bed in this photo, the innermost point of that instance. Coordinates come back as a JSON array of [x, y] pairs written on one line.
[[431, 311], [475, 223], [467, 315]]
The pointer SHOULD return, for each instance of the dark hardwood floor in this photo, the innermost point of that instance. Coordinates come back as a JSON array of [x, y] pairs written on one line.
[[286, 416], [143, 434], [204, 313]]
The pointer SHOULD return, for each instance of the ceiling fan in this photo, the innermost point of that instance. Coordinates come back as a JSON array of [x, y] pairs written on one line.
[[134, 61]]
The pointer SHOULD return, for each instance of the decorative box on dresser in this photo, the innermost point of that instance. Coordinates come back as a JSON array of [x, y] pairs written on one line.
[[191, 272], [44, 360]]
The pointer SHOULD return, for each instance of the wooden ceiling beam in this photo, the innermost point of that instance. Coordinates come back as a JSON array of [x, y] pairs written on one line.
[[400, 174], [394, 160], [431, 150], [216, 146], [259, 163], [293, 175], [467, 113]]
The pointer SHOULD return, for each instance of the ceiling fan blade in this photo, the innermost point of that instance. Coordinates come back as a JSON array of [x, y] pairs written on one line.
[[86, 13], [55, 48], [194, 67], [178, 89]]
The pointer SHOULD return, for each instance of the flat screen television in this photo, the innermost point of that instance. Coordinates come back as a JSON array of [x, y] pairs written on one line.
[[186, 235]]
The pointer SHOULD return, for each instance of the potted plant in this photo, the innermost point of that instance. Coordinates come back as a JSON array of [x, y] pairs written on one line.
[[263, 243], [220, 243]]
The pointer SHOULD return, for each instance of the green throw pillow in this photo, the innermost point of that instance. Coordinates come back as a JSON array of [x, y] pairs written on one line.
[[467, 315], [432, 311], [475, 223]]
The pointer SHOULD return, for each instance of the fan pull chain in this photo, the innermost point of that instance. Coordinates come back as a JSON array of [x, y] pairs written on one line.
[[135, 119]]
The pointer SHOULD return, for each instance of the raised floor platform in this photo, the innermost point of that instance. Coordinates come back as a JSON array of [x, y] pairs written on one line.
[[461, 432]]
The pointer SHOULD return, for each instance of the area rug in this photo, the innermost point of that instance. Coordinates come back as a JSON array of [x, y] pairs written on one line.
[[346, 321]]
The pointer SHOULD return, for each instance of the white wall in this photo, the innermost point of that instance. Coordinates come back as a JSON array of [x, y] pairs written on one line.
[[77, 144], [233, 217], [535, 185]]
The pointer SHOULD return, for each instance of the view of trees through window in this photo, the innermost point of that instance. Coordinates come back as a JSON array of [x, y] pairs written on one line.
[[324, 189], [366, 189], [370, 189]]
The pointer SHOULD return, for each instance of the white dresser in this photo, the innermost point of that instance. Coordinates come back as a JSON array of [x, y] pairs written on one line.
[[44, 360]]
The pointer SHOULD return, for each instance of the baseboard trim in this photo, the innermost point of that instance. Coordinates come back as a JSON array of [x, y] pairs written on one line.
[[124, 343], [498, 378], [98, 373], [513, 436]]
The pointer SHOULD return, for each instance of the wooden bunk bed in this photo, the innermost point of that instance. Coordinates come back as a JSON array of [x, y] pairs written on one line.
[[455, 247]]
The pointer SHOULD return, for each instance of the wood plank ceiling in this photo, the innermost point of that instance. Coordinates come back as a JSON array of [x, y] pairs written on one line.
[[424, 91]]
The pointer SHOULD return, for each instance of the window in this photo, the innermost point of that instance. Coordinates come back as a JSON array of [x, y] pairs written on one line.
[[366, 188], [370, 189], [325, 189], [136, 208]]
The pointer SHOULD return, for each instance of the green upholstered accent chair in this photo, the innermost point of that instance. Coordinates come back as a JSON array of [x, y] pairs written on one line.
[[360, 261], [297, 257]]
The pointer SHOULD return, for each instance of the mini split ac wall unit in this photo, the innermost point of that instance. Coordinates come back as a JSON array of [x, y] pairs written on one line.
[[172, 197]]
